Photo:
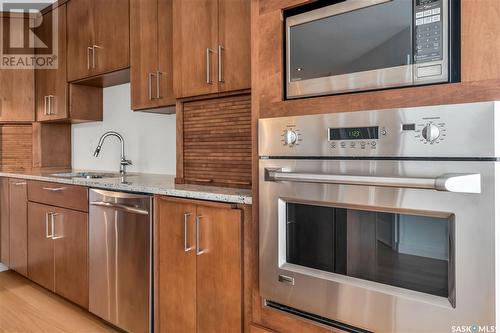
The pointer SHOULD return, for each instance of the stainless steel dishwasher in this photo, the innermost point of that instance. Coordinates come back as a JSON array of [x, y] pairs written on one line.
[[120, 259]]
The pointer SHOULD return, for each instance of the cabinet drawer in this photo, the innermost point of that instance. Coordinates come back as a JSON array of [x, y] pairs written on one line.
[[60, 195]]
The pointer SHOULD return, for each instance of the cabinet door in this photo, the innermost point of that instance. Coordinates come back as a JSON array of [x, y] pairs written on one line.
[[165, 53], [112, 39], [175, 262], [80, 32], [143, 52], [17, 96], [195, 44], [18, 213], [71, 255], [40, 245], [4, 221], [219, 270], [234, 40], [51, 84]]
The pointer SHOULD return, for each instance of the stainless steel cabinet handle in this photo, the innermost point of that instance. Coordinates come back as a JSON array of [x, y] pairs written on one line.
[[53, 189], [19, 183], [150, 84], [458, 183], [89, 50], [199, 251], [158, 83], [209, 66], [220, 65], [54, 233], [47, 235], [45, 106], [187, 248], [125, 208], [49, 100], [93, 53]]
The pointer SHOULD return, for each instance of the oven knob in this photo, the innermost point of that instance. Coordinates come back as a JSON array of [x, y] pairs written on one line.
[[431, 132], [290, 137]]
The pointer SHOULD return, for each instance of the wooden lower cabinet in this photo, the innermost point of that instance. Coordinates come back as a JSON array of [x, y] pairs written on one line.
[[18, 220], [4, 222], [198, 275], [58, 251]]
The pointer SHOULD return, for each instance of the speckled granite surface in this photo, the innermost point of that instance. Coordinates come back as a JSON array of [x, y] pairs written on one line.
[[138, 182]]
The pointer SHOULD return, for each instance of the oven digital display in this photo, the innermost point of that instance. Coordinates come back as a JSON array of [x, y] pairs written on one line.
[[353, 133]]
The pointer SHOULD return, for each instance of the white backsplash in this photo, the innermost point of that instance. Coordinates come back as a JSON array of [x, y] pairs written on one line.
[[149, 138]]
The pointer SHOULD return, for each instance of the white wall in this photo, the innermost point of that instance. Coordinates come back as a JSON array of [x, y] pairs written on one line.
[[149, 138]]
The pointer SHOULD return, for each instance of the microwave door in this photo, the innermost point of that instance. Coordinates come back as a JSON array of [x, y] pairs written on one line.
[[362, 49]]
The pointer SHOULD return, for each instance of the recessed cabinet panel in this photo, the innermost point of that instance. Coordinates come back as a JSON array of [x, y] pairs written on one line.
[[18, 226]]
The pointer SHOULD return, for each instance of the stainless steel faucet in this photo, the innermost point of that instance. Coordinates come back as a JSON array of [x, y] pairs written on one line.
[[123, 161]]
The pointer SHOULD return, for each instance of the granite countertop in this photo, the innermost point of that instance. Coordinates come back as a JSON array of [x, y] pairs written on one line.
[[139, 182]]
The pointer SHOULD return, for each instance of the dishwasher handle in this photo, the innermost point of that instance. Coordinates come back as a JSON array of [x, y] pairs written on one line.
[[122, 207], [452, 182]]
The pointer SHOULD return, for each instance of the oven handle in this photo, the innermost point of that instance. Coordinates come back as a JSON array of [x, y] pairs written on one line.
[[451, 182]]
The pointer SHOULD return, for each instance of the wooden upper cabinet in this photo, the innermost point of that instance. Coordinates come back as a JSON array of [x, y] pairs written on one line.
[[211, 46], [195, 47], [17, 97], [198, 255], [151, 69], [18, 216], [98, 37], [234, 39], [51, 88]]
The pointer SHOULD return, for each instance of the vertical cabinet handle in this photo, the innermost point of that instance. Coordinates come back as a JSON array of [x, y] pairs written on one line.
[[158, 82], [220, 69], [94, 47], [89, 50], [49, 102], [199, 251], [150, 85], [45, 107], [54, 233], [47, 216], [209, 66], [187, 248]]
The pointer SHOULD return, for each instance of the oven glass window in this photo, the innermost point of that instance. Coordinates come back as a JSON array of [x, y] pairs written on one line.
[[370, 38], [401, 250]]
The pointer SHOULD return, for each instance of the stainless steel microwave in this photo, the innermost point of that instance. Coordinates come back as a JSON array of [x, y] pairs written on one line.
[[360, 45]]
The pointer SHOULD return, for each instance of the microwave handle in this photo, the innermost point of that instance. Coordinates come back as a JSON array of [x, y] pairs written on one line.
[[452, 182]]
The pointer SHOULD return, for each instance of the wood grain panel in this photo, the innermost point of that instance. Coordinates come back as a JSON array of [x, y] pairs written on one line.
[[60, 195], [18, 217], [217, 142], [51, 145], [16, 146], [4, 222]]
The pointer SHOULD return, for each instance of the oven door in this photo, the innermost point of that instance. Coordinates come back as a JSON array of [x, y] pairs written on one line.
[[390, 246]]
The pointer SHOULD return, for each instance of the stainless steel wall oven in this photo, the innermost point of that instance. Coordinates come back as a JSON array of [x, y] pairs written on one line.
[[356, 45], [382, 220]]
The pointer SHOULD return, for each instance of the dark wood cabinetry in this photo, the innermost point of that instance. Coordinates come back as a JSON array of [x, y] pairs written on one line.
[[211, 46], [4, 222], [56, 99], [198, 255], [151, 68], [18, 217], [58, 251], [98, 37], [17, 96]]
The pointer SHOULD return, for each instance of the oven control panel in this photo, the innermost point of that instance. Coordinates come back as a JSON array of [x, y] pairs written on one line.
[[450, 130]]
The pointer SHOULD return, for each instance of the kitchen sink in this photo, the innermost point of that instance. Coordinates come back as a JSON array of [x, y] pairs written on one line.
[[87, 175]]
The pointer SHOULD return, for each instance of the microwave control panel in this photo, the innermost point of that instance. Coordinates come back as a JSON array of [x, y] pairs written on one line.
[[428, 30]]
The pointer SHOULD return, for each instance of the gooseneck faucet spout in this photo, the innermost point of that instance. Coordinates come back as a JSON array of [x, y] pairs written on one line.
[[123, 161]]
